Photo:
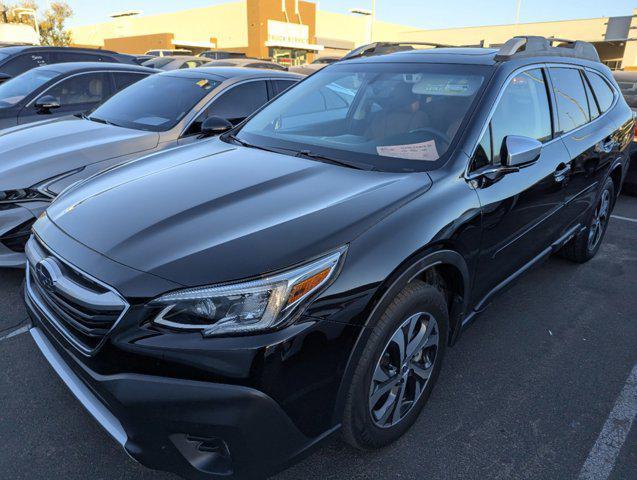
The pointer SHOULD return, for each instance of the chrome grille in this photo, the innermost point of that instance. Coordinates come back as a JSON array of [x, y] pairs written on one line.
[[80, 308]]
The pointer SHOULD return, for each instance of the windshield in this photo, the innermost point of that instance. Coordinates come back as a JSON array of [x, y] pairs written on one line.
[[157, 62], [156, 103], [384, 116], [14, 90], [629, 90]]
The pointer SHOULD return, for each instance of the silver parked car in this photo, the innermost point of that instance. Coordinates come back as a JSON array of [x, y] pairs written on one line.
[[175, 62], [159, 112]]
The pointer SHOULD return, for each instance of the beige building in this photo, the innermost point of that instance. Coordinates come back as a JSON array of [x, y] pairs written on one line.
[[293, 32]]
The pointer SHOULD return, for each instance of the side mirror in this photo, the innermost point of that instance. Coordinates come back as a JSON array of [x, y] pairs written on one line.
[[520, 151], [212, 126], [47, 103]]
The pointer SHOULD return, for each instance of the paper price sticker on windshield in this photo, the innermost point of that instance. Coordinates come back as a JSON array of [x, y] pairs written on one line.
[[412, 151]]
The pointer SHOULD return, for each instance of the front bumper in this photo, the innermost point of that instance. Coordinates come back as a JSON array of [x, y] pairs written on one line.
[[194, 429]]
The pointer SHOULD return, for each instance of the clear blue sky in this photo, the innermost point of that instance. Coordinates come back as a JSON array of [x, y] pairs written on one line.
[[419, 13]]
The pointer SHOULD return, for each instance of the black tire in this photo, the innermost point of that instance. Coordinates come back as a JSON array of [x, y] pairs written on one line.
[[580, 249], [417, 299]]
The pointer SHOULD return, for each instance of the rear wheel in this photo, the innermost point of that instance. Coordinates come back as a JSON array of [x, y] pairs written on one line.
[[586, 244], [398, 367]]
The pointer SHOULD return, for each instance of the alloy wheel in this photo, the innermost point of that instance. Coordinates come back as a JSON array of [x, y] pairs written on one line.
[[602, 213], [404, 369]]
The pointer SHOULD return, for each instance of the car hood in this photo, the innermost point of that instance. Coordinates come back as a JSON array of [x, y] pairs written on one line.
[[214, 212], [30, 154]]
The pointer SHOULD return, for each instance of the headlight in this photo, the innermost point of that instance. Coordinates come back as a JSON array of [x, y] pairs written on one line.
[[22, 195], [40, 192], [249, 306]]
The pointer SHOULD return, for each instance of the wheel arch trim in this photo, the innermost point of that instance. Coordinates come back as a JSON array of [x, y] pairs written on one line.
[[406, 272]]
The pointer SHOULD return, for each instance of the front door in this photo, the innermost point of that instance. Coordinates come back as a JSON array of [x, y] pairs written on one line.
[[520, 210], [76, 94]]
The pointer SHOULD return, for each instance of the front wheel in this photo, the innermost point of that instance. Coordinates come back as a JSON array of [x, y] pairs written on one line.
[[398, 367], [585, 245]]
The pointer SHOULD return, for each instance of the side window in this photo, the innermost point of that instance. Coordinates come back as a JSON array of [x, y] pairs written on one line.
[[234, 104], [25, 62], [603, 92], [281, 86], [123, 80], [63, 57], [523, 110], [572, 106], [81, 89], [483, 155], [239, 102]]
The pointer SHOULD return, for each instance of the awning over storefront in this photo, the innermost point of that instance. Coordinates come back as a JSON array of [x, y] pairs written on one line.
[[295, 46]]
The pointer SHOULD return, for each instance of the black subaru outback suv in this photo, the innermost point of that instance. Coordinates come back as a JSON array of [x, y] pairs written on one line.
[[222, 307]]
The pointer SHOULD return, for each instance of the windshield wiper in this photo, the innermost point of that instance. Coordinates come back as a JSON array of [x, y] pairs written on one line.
[[324, 158], [98, 120], [299, 153], [243, 143]]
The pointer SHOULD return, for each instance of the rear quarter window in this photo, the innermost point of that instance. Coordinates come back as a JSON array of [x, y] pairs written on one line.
[[603, 91]]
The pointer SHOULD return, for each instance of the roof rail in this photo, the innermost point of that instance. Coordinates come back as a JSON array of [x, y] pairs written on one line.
[[534, 46], [383, 48]]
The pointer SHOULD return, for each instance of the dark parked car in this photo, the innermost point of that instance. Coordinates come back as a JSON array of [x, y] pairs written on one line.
[[176, 62], [223, 307], [63, 89], [627, 82], [162, 111], [246, 63], [315, 66], [19, 59]]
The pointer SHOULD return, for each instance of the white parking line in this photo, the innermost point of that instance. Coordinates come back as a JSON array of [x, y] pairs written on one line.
[[603, 455], [626, 219], [15, 333]]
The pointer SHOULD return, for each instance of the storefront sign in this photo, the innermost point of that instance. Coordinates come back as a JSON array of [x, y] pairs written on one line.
[[286, 33]]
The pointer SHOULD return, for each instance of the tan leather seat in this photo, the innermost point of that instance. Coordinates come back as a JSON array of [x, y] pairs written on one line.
[[401, 113]]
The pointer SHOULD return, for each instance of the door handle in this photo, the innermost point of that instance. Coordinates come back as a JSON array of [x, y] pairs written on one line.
[[561, 173]]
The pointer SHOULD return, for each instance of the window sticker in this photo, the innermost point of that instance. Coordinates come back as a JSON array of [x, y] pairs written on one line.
[[426, 151], [204, 83]]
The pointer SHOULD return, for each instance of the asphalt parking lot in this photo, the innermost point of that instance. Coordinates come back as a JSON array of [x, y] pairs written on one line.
[[529, 392]]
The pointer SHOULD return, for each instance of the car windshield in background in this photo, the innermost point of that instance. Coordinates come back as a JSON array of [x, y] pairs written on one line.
[[158, 62], [14, 90], [375, 115], [156, 103], [629, 91]]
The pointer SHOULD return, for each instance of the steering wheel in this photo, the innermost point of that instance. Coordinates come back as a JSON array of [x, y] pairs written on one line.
[[437, 134]]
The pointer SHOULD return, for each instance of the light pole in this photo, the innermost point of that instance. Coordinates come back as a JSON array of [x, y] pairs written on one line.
[[371, 17], [517, 14]]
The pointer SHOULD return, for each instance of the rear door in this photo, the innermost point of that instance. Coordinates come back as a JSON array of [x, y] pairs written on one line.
[[76, 94], [588, 136], [520, 210]]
